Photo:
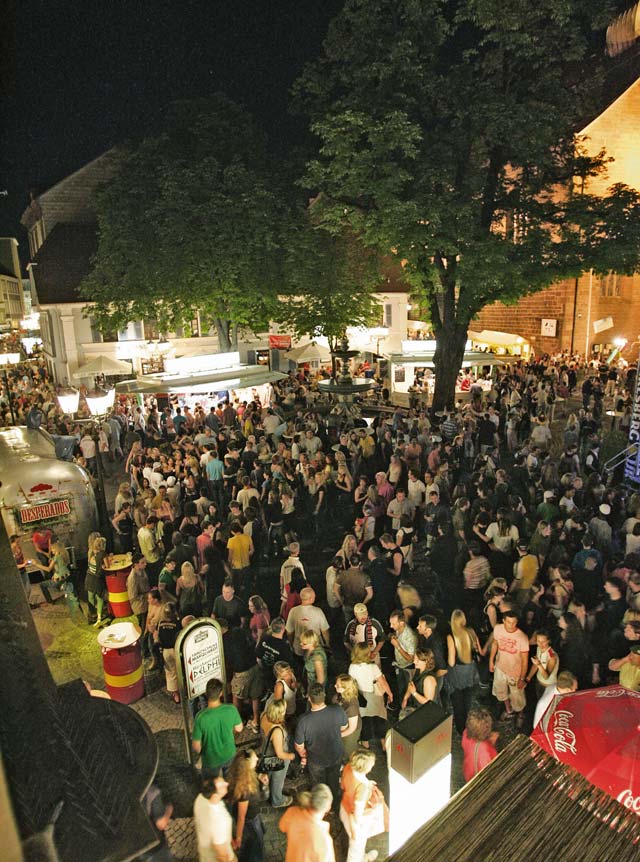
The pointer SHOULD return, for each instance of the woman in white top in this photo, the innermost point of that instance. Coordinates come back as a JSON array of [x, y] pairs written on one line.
[[373, 685], [285, 687], [214, 826], [544, 665]]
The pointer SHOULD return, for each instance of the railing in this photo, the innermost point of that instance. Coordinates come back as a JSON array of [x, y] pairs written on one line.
[[619, 458]]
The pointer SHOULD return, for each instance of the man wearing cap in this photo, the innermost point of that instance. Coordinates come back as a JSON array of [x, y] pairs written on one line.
[[364, 629], [600, 529], [628, 668]]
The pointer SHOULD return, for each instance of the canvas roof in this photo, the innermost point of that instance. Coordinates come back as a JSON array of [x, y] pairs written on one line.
[[526, 806]]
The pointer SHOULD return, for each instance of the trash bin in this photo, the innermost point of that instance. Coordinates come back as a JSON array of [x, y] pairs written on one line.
[[117, 571], [122, 662]]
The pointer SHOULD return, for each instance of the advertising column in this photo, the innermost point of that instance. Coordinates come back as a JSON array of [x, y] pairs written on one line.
[[632, 466]]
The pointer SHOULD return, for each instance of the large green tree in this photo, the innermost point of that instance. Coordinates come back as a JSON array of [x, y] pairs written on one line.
[[191, 224], [447, 133], [329, 281]]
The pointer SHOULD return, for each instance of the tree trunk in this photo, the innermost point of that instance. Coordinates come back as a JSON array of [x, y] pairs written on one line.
[[450, 344], [234, 329], [222, 329]]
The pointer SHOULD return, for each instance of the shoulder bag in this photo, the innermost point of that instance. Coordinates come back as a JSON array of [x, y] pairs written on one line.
[[269, 762]]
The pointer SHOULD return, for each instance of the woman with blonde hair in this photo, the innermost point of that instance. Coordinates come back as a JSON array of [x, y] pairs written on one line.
[[315, 662], [347, 697], [95, 583], [285, 687], [363, 811], [244, 798], [410, 601], [373, 685], [189, 592], [348, 548], [274, 731], [463, 674]]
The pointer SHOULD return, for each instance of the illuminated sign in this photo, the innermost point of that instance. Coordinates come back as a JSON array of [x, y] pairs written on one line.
[[632, 466], [45, 511]]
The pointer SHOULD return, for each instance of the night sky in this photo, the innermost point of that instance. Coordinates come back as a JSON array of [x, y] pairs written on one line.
[[80, 75]]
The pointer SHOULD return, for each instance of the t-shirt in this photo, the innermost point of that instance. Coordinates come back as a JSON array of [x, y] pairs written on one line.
[[630, 676], [213, 728], [510, 645], [239, 547], [319, 732], [408, 640], [272, 649], [308, 839], [232, 611], [213, 826], [476, 759], [303, 618], [353, 586]]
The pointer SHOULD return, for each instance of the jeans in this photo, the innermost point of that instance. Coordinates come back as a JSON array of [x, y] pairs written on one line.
[[403, 677], [329, 775], [276, 785]]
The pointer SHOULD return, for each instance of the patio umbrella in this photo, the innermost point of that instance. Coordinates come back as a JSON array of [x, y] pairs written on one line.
[[102, 364], [598, 733], [310, 352]]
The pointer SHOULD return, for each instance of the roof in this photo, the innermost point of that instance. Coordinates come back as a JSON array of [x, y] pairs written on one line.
[[526, 805], [242, 377], [63, 261]]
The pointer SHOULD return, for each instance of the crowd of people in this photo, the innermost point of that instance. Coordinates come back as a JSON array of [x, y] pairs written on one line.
[[477, 559]]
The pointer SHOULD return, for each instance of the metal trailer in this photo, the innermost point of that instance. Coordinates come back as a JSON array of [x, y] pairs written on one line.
[[39, 490]]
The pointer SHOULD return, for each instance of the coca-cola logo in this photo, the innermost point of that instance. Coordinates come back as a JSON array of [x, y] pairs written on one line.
[[564, 739], [629, 801], [612, 692]]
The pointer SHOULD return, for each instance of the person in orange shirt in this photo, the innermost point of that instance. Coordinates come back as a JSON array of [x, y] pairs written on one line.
[[363, 811], [308, 838]]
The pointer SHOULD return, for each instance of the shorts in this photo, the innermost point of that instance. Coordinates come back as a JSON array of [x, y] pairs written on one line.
[[506, 688], [248, 684]]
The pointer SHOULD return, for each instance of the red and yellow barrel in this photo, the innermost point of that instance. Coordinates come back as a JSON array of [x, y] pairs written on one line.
[[117, 571], [122, 662]]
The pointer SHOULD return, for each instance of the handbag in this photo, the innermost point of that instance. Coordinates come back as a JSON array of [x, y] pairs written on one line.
[[362, 700], [269, 762]]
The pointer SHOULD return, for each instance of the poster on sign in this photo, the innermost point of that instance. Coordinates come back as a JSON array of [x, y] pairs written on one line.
[[632, 465], [199, 658]]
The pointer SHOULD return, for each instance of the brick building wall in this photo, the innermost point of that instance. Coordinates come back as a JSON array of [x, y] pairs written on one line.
[[617, 130]]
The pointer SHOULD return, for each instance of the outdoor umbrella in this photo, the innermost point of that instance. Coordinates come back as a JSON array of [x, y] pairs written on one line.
[[310, 352], [598, 733], [102, 364]]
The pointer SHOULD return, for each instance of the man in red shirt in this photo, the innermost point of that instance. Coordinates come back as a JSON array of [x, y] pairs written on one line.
[[41, 539]]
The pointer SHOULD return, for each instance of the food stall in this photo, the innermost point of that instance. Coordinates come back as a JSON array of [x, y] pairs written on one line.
[[206, 380], [500, 343], [416, 361]]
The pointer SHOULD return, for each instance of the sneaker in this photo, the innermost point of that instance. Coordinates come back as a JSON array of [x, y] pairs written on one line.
[[286, 802], [252, 726]]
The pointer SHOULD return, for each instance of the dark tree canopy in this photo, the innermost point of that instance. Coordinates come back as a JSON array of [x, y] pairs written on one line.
[[448, 134], [190, 224]]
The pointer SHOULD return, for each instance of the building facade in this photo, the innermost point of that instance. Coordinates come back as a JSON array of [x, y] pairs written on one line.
[[11, 296], [590, 314]]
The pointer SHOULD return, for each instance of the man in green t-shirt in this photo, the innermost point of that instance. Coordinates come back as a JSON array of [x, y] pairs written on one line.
[[167, 580], [214, 728]]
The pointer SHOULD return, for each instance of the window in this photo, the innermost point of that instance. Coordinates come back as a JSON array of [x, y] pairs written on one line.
[[134, 331], [609, 284], [388, 315]]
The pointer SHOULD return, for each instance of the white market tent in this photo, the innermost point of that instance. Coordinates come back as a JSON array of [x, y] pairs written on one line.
[[311, 352], [102, 364]]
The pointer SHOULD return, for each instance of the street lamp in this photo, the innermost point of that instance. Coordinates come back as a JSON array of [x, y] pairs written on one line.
[[99, 403], [7, 359]]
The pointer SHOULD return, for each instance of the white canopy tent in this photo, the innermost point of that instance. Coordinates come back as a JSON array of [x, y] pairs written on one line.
[[102, 364], [311, 352]]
